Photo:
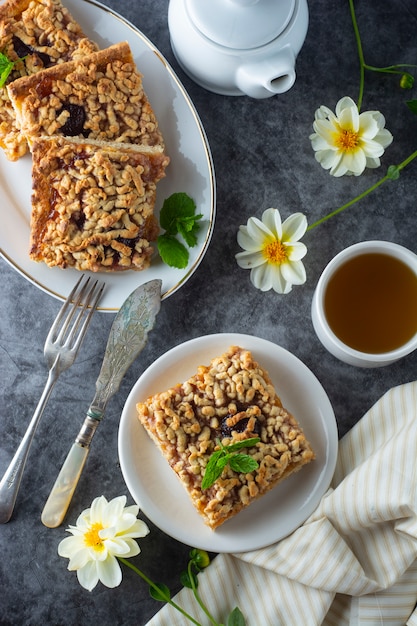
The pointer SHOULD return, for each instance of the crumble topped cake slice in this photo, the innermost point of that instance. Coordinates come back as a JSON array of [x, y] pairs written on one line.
[[99, 97], [93, 203], [41, 33], [230, 400]]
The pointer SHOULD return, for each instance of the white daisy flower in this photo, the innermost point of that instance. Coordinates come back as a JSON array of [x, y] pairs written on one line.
[[272, 250], [102, 533], [349, 141]]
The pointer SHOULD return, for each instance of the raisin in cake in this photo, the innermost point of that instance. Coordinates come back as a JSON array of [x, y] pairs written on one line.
[[42, 33], [93, 203], [99, 97], [231, 399]]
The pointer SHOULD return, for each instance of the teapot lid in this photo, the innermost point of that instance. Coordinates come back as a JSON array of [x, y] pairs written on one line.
[[240, 24]]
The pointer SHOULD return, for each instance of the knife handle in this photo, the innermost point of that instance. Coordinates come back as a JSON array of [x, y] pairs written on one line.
[[61, 494]]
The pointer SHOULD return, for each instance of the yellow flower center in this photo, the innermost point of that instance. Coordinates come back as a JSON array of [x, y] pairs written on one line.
[[275, 252], [92, 537], [347, 140]]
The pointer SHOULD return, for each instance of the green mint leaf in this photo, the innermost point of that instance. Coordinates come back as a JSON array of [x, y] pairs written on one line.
[[412, 105], [243, 463], [245, 443], [178, 206], [214, 469], [6, 67], [172, 251], [223, 461], [162, 593], [188, 228], [236, 618], [187, 224], [178, 217], [220, 458]]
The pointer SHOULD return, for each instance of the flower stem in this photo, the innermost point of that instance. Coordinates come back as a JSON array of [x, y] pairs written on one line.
[[360, 54], [387, 176], [390, 69], [197, 596], [158, 589]]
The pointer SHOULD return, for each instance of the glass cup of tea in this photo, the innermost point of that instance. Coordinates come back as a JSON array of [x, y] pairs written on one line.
[[364, 308]]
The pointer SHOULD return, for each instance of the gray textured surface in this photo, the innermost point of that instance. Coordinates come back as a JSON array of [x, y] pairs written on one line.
[[263, 158]]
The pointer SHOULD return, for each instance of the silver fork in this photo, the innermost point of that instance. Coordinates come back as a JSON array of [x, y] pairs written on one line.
[[61, 348]]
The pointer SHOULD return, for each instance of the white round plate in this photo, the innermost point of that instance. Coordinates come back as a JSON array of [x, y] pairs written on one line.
[[158, 491], [190, 170]]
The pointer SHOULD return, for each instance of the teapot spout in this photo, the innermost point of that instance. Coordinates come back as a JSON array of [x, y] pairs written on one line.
[[267, 77]]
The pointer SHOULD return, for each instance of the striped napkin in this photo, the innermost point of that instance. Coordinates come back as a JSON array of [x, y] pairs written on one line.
[[354, 561]]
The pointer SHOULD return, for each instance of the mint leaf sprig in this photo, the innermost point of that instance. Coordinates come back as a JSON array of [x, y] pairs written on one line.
[[227, 455], [6, 66], [178, 217]]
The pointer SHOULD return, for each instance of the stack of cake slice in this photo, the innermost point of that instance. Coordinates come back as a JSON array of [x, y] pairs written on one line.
[[41, 33], [97, 155]]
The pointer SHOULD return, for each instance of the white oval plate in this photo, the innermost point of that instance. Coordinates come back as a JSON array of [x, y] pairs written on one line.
[[190, 170], [159, 493]]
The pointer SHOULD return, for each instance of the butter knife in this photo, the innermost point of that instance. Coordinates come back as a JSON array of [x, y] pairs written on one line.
[[127, 339]]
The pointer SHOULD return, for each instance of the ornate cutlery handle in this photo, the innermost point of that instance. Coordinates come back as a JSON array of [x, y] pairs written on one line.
[[10, 483], [61, 494]]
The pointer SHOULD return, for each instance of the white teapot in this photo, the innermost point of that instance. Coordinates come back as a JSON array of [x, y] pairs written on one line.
[[239, 47]]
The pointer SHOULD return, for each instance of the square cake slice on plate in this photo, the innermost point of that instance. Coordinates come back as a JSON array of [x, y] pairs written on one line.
[[93, 203], [230, 400], [99, 97], [34, 34]]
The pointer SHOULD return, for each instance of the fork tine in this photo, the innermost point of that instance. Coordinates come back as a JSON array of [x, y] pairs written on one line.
[[79, 306], [75, 303], [91, 301], [52, 335]]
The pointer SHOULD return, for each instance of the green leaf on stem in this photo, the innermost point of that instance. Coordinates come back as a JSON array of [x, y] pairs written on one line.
[[185, 579], [236, 618], [412, 105], [393, 172], [160, 592]]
